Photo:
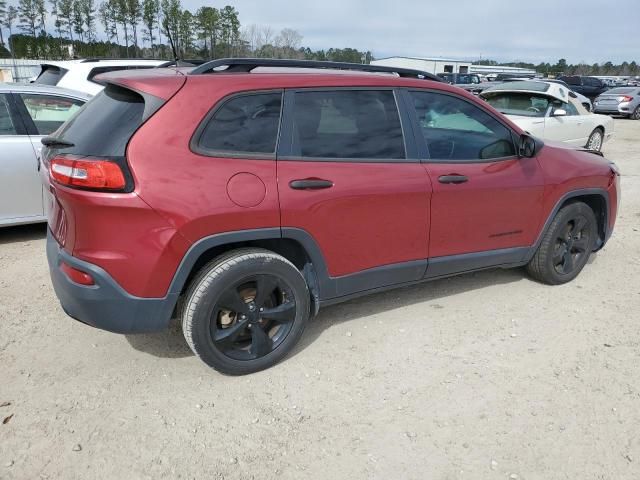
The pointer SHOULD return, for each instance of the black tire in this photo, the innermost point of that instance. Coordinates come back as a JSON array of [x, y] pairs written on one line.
[[565, 246], [229, 300], [596, 139], [636, 114]]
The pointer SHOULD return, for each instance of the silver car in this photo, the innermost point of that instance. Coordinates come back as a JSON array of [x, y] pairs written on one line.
[[623, 101], [28, 113]]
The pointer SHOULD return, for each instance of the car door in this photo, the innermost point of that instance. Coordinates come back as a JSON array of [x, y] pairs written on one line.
[[570, 127], [486, 202], [20, 187], [349, 178]]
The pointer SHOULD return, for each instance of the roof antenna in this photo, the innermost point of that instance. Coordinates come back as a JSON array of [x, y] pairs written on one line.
[[165, 24]]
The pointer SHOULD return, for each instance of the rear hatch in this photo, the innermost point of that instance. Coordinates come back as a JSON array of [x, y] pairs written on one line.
[[87, 155]]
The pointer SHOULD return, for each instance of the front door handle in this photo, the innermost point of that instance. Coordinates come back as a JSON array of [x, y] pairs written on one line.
[[453, 178], [310, 184]]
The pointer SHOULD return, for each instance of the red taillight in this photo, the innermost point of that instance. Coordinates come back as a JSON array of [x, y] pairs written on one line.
[[77, 276], [87, 172], [625, 98]]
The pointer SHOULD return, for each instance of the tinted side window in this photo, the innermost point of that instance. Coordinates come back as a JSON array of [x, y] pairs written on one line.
[[347, 124], [6, 124], [48, 112], [457, 130], [244, 124]]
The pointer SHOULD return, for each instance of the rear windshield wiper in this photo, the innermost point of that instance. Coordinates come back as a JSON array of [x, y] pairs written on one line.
[[56, 142]]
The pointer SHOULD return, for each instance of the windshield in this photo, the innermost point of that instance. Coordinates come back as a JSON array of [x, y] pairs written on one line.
[[524, 104]]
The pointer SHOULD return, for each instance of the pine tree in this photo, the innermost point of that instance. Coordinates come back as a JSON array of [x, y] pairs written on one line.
[[28, 16]]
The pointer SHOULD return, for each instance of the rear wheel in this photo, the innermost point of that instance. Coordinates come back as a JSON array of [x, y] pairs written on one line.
[[595, 140], [245, 311], [566, 245], [636, 114]]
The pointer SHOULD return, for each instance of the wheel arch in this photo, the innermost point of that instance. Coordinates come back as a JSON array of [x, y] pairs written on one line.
[[295, 245], [596, 198]]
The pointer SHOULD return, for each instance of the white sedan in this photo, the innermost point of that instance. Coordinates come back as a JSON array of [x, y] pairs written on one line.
[[550, 111]]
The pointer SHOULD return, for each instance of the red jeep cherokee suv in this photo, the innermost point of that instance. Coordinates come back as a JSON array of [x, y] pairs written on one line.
[[245, 194]]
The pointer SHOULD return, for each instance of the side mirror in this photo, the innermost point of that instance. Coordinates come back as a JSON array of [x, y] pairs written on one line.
[[527, 147], [559, 112]]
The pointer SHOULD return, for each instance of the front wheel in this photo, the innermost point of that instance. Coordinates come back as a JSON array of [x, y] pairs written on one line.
[[245, 311], [565, 246], [595, 140]]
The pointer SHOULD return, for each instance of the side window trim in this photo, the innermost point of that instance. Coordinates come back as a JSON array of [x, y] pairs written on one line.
[[286, 142], [421, 143], [23, 119], [194, 143]]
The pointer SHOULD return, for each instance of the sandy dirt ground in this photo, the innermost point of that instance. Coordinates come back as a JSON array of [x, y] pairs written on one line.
[[483, 376]]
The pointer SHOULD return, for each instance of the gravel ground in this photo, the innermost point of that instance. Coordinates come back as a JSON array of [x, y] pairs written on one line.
[[482, 376]]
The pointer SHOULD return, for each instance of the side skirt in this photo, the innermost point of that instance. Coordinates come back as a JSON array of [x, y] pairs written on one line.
[[404, 274]]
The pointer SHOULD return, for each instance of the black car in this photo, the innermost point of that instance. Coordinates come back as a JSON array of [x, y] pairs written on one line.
[[590, 87], [468, 81]]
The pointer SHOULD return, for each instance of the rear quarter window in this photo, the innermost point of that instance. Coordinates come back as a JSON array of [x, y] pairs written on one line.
[[242, 124]]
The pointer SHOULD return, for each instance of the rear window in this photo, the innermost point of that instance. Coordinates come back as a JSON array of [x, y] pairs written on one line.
[[50, 75], [103, 127]]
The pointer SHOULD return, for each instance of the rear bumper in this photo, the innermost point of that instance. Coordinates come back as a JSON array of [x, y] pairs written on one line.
[[105, 305], [617, 109]]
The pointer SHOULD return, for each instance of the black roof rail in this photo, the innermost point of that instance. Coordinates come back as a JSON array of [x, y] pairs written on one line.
[[246, 65], [183, 62], [98, 59]]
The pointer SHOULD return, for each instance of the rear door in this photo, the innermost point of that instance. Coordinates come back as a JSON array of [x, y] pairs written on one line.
[[349, 178], [20, 187], [485, 198]]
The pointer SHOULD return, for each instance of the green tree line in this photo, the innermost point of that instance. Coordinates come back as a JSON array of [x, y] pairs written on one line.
[[63, 29], [564, 68]]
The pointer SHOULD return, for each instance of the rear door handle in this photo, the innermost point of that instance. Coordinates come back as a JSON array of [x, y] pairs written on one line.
[[310, 184], [453, 178]]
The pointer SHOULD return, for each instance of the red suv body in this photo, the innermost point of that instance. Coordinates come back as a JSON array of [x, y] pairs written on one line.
[[362, 181]]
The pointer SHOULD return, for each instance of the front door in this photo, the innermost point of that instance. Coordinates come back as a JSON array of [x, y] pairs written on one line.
[[20, 186], [485, 198], [345, 178]]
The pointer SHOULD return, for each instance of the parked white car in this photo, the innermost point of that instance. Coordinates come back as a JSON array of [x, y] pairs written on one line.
[[27, 114], [550, 111], [80, 74]]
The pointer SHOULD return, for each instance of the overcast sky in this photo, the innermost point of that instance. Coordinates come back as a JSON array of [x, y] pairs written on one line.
[[506, 30]]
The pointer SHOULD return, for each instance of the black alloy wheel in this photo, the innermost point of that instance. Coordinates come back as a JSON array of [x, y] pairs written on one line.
[[251, 319], [572, 244]]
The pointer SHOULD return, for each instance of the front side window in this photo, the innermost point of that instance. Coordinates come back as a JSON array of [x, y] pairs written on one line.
[[48, 112], [455, 129], [244, 124], [358, 124], [6, 124]]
